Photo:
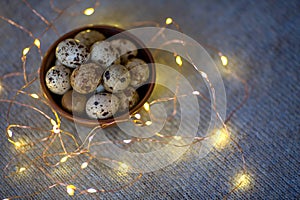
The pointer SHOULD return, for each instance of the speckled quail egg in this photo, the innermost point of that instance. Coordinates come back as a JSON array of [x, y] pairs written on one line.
[[74, 102], [71, 53], [102, 106], [126, 49], [128, 98], [86, 78], [89, 37], [139, 71], [58, 79], [103, 53], [116, 78]]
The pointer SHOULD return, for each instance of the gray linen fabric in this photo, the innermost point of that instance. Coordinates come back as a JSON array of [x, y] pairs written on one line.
[[261, 40]]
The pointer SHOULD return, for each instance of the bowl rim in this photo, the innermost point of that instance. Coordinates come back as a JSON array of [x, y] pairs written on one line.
[[96, 122]]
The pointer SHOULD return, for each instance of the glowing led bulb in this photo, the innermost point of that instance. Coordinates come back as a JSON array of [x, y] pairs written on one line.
[[169, 20], [71, 190], [221, 138], [84, 165], [56, 129], [25, 51], [89, 11], [243, 181], [159, 135], [35, 96], [196, 93], [178, 60], [37, 43], [64, 159], [9, 133], [176, 137], [224, 60], [137, 115], [127, 141], [22, 169], [91, 190], [148, 123], [18, 144], [147, 106]]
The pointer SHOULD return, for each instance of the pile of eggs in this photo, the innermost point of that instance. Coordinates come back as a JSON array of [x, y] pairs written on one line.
[[96, 77]]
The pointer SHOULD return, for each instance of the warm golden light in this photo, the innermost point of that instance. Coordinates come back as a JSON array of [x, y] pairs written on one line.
[[127, 141], [18, 144], [22, 169], [137, 116], [147, 106], [84, 165], [37, 43], [25, 51], [196, 93], [89, 11], [148, 123], [221, 138], [91, 190], [224, 60], [53, 122], [159, 135], [242, 181], [178, 60], [122, 169], [176, 137], [169, 20], [71, 190], [9, 133], [64, 159], [35, 96], [55, 129], [123, 166]]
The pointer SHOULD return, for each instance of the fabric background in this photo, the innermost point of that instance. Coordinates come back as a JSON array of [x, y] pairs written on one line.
[[261, 40]]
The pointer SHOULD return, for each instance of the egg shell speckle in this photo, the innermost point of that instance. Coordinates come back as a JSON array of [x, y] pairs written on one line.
[[102, 106], [116, 78], [103, 53], [58, 79], [126, 49], [86, 78], [139, 71], [71, 53], [128, 98], [89, 37]]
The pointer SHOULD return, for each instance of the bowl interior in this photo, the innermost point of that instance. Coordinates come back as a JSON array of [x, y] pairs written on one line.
[[143, 91]]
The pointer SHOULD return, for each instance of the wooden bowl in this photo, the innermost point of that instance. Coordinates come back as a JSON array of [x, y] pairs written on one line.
[[143, 91]]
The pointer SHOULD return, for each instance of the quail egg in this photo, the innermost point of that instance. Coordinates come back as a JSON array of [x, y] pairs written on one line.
[[86, 78], [139, 71], [125, 48], [103, 53], [102, 106], [89, 37], [71, 53], [58, 79], [116, 78]]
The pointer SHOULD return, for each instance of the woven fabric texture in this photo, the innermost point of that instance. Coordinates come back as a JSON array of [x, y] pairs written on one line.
[[261, 41]]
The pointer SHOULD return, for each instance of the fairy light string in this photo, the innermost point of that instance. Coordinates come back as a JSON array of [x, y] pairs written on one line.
[[222, 137]]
